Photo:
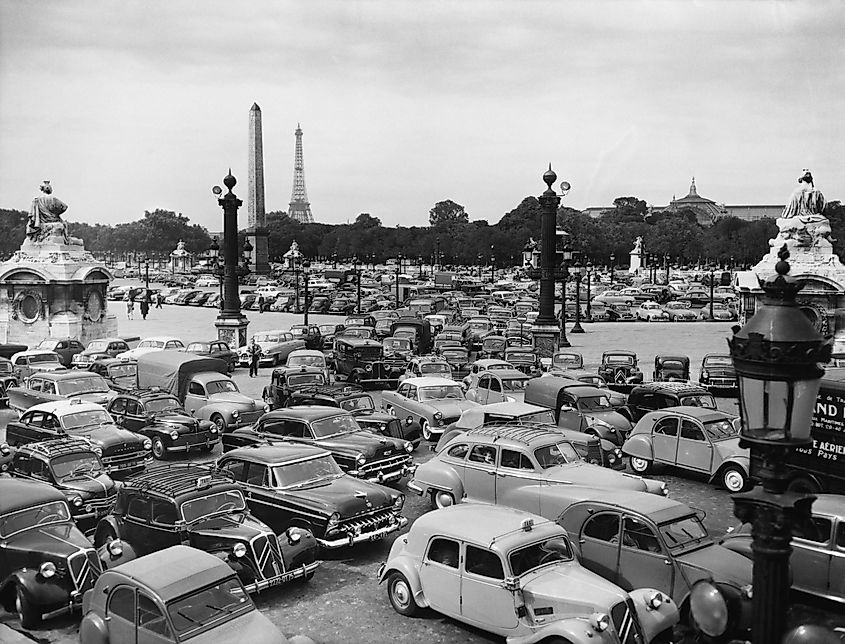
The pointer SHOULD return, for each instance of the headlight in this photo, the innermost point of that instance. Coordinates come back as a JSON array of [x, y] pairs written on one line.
[[235, 413], [709, 608], [294, 535], [333, 521], [213, 430], [99, 450], [747, 591], [599, 621], [409, 447], [398, 502], [611, 458], [239, 550], [47, 569], [148, 444], [664, 490], [174, 435], [77, 501], [655, 601], [115, 548], [368, 367], [361, 459], [409, 420], [705, 374], [266, 408], [438, 416]]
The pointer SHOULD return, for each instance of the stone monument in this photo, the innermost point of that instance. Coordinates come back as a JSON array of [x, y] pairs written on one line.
[[52, 287], [805, 232], [257, 219], [181, 259], [636, 257]]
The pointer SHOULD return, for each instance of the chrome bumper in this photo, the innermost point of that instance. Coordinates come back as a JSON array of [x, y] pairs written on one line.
[[188, 448], [352, 539], [415, 488], [264, 584]]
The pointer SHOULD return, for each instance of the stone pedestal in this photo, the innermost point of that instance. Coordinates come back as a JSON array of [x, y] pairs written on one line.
[[232, 330], [52, 289], [259, 264], [636, 262], [546, 339]]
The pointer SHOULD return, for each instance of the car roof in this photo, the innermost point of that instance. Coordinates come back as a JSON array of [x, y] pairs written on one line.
[[276, 454], [57, 447], [65, 406], [16, 494], [66, 374], [704, 414], [620, 352], [175, 571], [658, 508], [486, 362], [831, 504], [163, 338], [510, 408], [307, 412], [176, 479], [675, 387], [429, 381], [307, 352], [514, 434], [34, 352]]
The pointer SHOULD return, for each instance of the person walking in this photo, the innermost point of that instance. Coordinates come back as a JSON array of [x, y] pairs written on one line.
[[145, 307], [158, 300], [130, 307], [254, 356], [261, 304]]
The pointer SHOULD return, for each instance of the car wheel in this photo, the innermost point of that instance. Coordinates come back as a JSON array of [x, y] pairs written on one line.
[[441, 499], [734, 479], [159, 450], [29, 615], [218, 420], [803, 485], [426, 430], [400, 594], [639, 465], [105, 536]]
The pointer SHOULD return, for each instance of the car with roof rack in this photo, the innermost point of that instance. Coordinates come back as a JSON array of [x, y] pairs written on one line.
[[293, 485], [160, 416], [516, 575], [526, 467], [179, 592], [652, 396], [71, 466], [360, 453], [60, 385], [198, 506], [123, 452]]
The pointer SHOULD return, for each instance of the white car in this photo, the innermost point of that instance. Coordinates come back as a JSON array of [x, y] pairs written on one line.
[[309, 358], [651, 312], [433, 402], [155, 343], [204, 282]]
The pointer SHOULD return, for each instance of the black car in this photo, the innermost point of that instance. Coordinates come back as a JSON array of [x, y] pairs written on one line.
[[7, 379], [359, 453], [109, 346], [362, 362], [286, 381], [185, 503], [121, 375], [659, 395], [299, 485], [717, 372], [671, 368], [71, 466], [214, 349], [620, 370], [360, 404], [47, 564], [160, 417]]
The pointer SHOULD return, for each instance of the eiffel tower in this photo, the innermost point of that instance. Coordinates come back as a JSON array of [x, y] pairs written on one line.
[[299, 208]]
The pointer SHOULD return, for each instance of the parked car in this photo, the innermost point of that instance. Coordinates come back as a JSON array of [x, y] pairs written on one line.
[[619, 368], [722, 312], [433, 402], [485, 364], [564, 360], [123, 452], [293, 485], [618, 312], [421, 366], [149, 345], [110, 346], [66, 348], [651, 312], [308, 333], [214, 349], [717, 372], [500, 385], [517, 466], [458, 360], [160, 417], [309, 358], [489, 566], [284, 381], [120, 375], [7, 379], [671, 368], [60, 385], [526, 359], [679, 311], [359, 453], [691, 438], [47, 564], [33, 361], [651, 396], [275, 347], [194, 505], [361, 360], [635, 539], [493, 346]]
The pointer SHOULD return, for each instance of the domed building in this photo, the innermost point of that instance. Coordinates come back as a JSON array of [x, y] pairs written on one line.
[[706, 210]]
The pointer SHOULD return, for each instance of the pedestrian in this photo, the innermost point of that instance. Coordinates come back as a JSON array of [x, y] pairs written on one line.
[[158, 300], [145, 308], [261, 304], [130, 307], [254, 356]]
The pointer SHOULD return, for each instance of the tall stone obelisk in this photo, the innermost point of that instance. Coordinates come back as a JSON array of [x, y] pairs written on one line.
[[257, 220]]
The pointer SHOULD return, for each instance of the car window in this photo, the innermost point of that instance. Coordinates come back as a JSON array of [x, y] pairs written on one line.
[[604, 527], [458, 451], [257, 475], [646, 399], [817, 532], [39, 469], [554, 455], [196, 389], [21, 463], [163, 512], [840, 535], [133, 408], [691, 431], [237, 469], [119, 406], [636, 534], [667, 426], [33, 418], [483, 454], [285, 427], [444, 552], [515, 460], [495, 385], [483, 563], [483, 382], [122, 604], [411, 392], [151, 619], [139, 508]]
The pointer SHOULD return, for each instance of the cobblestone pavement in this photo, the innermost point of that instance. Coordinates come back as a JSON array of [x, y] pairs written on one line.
[[343, 603]]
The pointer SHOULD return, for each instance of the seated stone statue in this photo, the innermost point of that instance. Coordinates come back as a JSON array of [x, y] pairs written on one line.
[[45, 219], [802, 219]]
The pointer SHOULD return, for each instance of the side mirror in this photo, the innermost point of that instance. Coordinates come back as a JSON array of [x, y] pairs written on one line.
[[511, 584]]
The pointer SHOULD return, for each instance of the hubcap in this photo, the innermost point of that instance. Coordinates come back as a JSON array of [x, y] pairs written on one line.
[[444, 499], [638, 464], [401, 593], [158, 448], [733, 481]]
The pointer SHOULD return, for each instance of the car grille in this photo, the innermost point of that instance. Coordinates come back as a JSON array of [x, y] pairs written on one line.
[[722, 381], [369, 353], [624, 617], [367, 522], [84, 567], [103, 505], [249, 417], [268, 557], [448, 420], [384, 466], [124, 457]]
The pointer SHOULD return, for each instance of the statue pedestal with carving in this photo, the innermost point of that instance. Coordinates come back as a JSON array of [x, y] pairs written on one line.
[[53, 289]]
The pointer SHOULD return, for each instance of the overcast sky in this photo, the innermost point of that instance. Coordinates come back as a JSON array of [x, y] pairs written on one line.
[[135, 105]]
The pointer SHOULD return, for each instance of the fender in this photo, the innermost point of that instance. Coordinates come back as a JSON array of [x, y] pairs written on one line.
[[93, 629], [405, 566], [433, 475], [741, 461], [110, 561], [41, 592], [207, 411], [549, 501], [109, 521], [638, 446], [654, 621], [574, 629]]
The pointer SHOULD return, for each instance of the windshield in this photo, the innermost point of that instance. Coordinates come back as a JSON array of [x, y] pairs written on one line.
[[455, 353], [514, 384], [619, 359], [360, 402], [327, 329], [673, 364], [151, 344], [594, 403], [539, 417], [494, 344], [198, 347], [553, 455], [266, 337], [297, 379], [435, 368], [718, 361], [46, 344], [220, 387], [307, 361], [205, 506], [45, 514], [88, 384], [719, 430], [123, 370], [698, 400], [480, 325], [397, 343], [539, 554], [341, 424], [363, 334], [682, 532], [303, 472], [163, 404], [440, 392], [81, 464], [213, 605], [43, 357], [86, 418], [97, 345], [565, 360]]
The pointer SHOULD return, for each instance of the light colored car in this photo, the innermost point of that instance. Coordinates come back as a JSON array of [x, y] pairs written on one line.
[[485, 364], [517, 466], [680, 311], [501, 385], [60, 385], [427, 366], [651, 312], [275, 347], [151, 344], [690, 438], [433, 402], [513, 574], [26, 363], [206, 282], [308, 358], [564, 360]]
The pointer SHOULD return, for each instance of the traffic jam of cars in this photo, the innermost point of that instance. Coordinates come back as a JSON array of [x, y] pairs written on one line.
[[543, 527]]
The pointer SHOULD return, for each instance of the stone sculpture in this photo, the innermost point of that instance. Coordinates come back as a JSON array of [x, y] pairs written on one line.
[[802, 223], [45, 219]]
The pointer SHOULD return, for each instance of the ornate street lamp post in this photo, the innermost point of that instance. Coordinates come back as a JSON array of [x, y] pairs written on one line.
[[216, 268], [712, 273], [564, 278], [492, 265], [305, 266], [589, 294], [612, 264], [480, 259], [398, 270], [358, 281], [576, 269], [666, 261]]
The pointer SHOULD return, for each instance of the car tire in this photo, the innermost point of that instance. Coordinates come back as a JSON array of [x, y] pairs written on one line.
[[29, 614], [400, 595], [804, 485], [220, 422], [734, 479], [104, 536], [441, 499], [639, 465], [426, 430], [159, 450]]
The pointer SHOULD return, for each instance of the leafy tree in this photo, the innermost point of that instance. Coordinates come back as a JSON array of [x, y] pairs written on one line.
[[366, 220], [446, 213]]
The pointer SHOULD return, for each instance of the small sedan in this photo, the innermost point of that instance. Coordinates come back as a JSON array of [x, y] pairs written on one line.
[[680, 311], [434, 402], [214, 349], [691, 438], [651, 312], [717, 372]]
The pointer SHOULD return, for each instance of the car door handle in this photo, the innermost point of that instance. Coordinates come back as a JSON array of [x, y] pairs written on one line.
[[491, 472], [667, 562]]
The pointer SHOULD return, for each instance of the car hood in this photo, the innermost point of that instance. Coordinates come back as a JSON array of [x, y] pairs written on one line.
[[580, 473], [61, 539], [107, 436], [50, 366], [369, 444], [171, 418], [730, 447], [253, 627], [90, 486], [234, 398], [231, 527], [99, 397], [347, 495], [450, 408], [720, 562], [612, 418], [566, 588]]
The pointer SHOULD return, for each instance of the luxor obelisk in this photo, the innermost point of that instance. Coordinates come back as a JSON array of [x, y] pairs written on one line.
[[257, 222]]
